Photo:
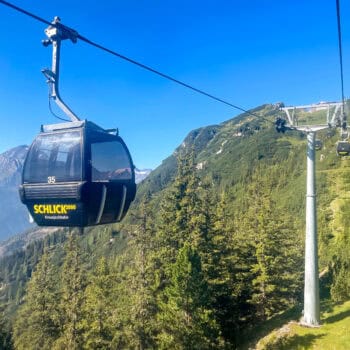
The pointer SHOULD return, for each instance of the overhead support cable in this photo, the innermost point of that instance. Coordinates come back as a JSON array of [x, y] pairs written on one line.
[[27, 13], [343, 117], [132, 61], [340, 51]]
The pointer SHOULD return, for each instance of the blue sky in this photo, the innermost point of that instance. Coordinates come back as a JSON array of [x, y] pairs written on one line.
[[247, 52]]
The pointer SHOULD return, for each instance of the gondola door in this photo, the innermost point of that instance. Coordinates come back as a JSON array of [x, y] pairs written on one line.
[[112, 180]]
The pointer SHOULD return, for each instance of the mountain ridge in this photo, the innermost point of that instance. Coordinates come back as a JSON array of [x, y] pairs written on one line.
[[14, 217], [250, 191]]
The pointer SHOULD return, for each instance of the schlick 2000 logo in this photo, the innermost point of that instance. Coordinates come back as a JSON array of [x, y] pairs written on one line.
[[53, 208]]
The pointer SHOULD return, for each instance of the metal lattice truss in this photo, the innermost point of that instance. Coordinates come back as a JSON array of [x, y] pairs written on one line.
[[333, 116]]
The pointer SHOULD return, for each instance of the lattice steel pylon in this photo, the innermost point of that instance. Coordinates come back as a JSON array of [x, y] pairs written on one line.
[[311, 314]]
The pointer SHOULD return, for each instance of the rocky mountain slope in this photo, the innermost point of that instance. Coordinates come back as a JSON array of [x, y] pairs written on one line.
[[21, 241], [141, 174], [13, 214], [226, 150]]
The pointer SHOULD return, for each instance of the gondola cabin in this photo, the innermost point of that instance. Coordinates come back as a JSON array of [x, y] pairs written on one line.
[[343, 148], [318, 145], [77, 174]]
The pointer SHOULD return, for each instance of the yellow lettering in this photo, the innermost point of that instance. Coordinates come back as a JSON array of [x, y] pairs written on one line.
[[53, 208]]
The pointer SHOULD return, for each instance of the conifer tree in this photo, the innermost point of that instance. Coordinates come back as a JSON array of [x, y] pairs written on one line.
[[72, 298], [98, 308], [276, 269], [225, 273], [142, 279], [185, 319], [176, 209], [340, 266], [136, 306], [186, 220], [5, 333], [340, 289], [202, 216], [36, 325], [185, 216]]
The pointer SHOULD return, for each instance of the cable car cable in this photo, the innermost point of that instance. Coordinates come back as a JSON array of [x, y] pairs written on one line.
[[343, 146], [166, 76], [14, 7], [141, 65], [340, 52]]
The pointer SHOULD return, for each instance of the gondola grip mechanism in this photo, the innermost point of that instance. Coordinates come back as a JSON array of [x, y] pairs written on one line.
[[56, 33]]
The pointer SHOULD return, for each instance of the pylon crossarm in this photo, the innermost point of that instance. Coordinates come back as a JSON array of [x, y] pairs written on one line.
[[312, 128]]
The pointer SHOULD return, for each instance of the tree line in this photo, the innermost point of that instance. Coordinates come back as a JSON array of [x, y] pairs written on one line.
[[199, 268]]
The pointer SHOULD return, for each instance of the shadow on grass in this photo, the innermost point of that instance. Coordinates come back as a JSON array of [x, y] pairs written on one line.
[[298, 342], [337, 317], [249, 337], [327, 305]]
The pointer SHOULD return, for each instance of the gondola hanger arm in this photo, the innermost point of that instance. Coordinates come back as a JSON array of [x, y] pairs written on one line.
[[56, 33]]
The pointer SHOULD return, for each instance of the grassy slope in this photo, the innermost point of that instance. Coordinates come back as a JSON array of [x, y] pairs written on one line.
[[334, 333]]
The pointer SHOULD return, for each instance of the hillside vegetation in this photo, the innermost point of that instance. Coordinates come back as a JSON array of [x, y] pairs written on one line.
[[333, 334], [211, 249]]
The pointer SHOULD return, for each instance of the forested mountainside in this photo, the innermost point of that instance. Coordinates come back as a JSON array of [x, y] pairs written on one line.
[[212, 247]]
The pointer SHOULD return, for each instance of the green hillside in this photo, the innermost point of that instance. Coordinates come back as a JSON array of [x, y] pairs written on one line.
[[211, 250], [333, 333]]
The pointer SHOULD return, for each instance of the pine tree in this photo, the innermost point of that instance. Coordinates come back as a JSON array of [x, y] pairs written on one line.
[[276, 269], [185, 216], [185, 221], [36, 325], [72, 298], [226, 273], [136, 307], [141, 279], [340, 266], [202, 213], [5, 334], [185, 319], [176, 214], [98, 309]]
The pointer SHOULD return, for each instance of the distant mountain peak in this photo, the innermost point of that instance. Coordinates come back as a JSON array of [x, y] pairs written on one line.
[[11, 165], [18, 152], [13, 214], [141, 174]]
